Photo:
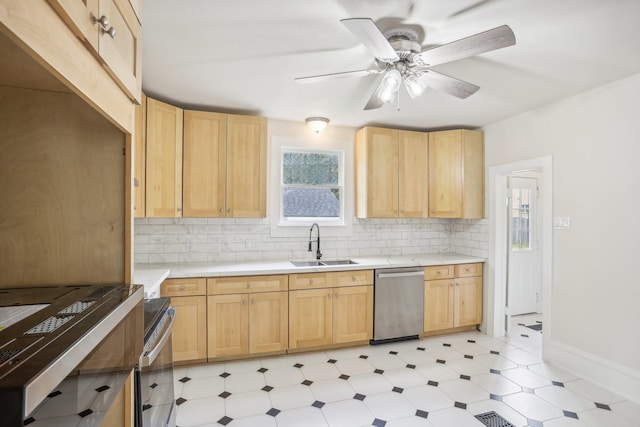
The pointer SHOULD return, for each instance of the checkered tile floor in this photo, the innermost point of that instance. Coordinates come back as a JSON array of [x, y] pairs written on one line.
[[439, 382]]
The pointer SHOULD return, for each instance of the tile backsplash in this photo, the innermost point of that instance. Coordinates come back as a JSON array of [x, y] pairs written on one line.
[[170, 240]]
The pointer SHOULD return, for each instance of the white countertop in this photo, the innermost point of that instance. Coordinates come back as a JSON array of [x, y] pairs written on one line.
[[151, 278], [152, 275]]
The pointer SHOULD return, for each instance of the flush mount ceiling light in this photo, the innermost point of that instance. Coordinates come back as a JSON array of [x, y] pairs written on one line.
[[317, 124]]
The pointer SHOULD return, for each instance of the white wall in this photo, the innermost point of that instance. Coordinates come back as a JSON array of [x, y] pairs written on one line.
[[593, 140]]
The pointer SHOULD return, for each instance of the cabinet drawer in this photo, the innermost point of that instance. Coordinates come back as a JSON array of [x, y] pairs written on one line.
[[437, 272], [183, 287], [352, 278], [246, 284], [309, 280], [469, 270]]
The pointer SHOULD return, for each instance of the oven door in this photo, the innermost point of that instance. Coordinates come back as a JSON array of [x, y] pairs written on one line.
[[155, 405]]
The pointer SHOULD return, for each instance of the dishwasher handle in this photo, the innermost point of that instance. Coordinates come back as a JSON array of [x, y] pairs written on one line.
[[406, 274], [149, 357]]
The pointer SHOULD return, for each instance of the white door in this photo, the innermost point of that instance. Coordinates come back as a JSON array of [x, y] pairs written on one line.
[[523, 275]]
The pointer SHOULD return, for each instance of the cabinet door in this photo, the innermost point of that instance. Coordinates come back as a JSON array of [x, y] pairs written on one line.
[[268, 322], [204, 164], [121, 53], [190, 328], [352, 314], [438, 304], [445, 174], [139, 159], [164, 160], [227, 325], [246, 167], [377, 173], [310, 318], [413, 178], [468, 301]]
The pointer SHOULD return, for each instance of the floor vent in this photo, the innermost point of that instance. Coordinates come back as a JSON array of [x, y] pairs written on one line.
[[491, 419]]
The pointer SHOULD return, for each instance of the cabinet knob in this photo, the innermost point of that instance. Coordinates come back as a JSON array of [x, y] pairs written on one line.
[[220, 210], [182, 287], [439, 273], [329, 296], [311, 281], [253, 300], [104, 25], [353, 278], [248, 285], [229, 210], [337, 294], [244, 301]]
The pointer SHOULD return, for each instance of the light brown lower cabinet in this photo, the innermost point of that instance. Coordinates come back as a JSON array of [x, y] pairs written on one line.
[[242, 324], [189, 336], [452, 297], [322, 317]]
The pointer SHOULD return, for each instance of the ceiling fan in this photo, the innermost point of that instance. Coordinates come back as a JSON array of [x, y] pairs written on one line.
[[399, 57]]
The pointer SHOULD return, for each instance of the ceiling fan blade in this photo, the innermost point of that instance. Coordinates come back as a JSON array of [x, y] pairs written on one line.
[[496, 38], [369, 35], [323, 77], [450, 85]]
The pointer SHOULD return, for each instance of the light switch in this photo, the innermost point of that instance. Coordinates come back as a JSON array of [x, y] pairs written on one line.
[[562, 223]]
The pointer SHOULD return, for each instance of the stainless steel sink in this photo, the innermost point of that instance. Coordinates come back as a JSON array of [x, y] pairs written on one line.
[[322, 263], [339, 262], [306, 263]]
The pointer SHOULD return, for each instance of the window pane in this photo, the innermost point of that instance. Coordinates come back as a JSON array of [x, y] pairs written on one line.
[[311, 202], [310, 168]]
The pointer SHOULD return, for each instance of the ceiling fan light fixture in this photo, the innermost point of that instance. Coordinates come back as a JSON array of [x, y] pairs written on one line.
[[317, 124], [415, 86], [390, 85]]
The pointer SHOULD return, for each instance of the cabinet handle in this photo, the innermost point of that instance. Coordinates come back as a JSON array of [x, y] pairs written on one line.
[[104, 25], [244, 301]]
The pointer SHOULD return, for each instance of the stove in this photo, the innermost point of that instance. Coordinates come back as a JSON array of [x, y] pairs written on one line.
[[64, 334]]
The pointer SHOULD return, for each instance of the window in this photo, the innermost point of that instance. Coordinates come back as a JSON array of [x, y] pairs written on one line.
[[521, 227], [312, 187]]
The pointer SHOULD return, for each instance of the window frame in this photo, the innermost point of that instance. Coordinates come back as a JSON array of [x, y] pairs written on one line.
[[307, 221]]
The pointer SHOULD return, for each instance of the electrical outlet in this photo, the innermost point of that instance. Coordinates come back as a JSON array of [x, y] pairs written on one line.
[[562, 223]]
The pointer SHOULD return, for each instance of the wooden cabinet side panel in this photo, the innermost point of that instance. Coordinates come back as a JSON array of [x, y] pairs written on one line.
[[204, 164], [190, 328], [445, 174], [382, 176], [246, 166], [352, 314], [268, 322], [310, 318], [473, 188], [164, 160], [361, 171], [62, 180], [227, 325], [438, 304], [413, 176], [140, 160]]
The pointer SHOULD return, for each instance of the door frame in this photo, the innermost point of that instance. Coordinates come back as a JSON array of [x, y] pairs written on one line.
[[497, 271]]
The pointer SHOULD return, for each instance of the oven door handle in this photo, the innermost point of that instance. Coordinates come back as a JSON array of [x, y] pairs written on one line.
[[149, 357]]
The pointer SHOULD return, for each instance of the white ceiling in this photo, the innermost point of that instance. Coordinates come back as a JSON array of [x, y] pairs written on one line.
[[241, 56]]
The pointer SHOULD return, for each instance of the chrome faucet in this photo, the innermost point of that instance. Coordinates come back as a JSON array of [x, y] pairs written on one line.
[[318, 253]]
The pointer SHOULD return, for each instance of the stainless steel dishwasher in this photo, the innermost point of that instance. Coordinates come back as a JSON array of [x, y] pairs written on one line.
[[398, 304]]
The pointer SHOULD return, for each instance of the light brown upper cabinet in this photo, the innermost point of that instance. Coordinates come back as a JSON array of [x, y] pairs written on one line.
[[225, 165], [111, 30], [164, 160], [391, 173], [456, 174]]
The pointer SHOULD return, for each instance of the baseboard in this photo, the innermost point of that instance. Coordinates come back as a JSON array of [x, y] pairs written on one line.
[[612, 376]]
